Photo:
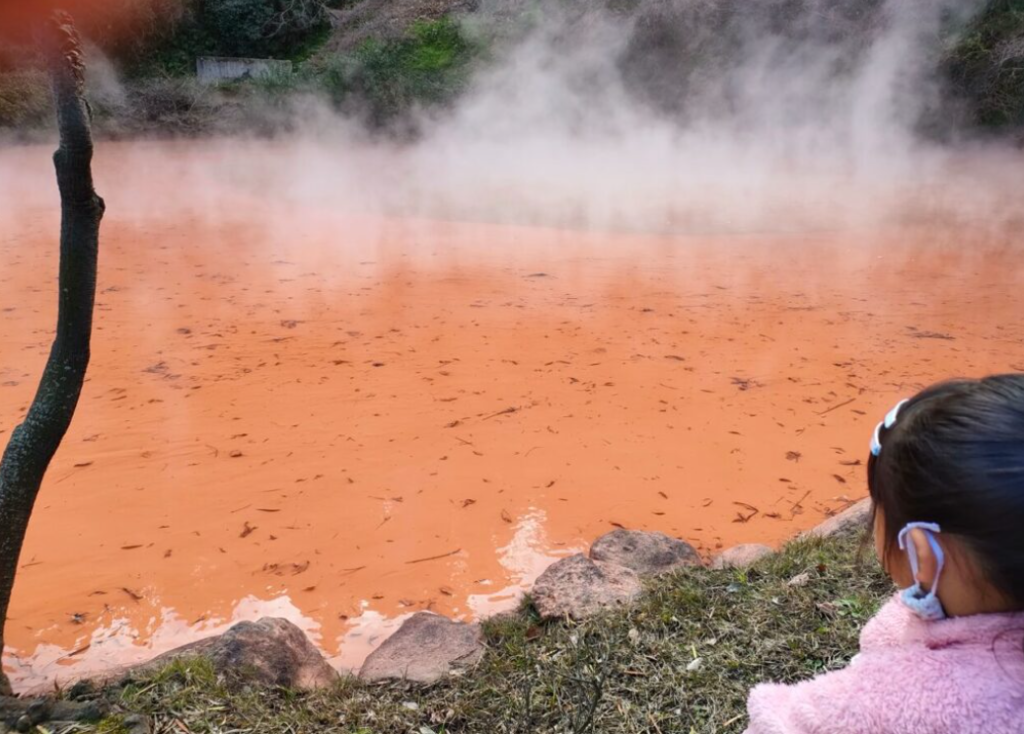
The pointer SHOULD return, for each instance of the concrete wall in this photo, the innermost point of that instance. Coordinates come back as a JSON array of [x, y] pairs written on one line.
[[211, 69]]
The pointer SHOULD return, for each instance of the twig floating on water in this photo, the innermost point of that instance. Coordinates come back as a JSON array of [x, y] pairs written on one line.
[[929, 334], [799, 502], [837, 406], [73, 653], [435, 558], [740, 517], [507, 411]]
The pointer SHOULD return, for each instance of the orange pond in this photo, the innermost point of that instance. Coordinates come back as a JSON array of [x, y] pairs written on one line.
[[343, 419]]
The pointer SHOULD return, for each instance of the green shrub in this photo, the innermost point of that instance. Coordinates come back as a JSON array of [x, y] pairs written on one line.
[[985, 64], [179, 105], [128, 30], [332, 79], [430, 65], [262, 27], [288, 29], [175, 51], [239, 26]]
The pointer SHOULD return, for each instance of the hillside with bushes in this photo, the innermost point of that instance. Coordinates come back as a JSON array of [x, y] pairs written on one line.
[[389, 62]]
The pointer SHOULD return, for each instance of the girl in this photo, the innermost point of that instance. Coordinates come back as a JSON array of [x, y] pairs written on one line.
[[946, 654]]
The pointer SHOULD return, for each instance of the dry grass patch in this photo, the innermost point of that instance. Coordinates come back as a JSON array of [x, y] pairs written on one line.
[[681, 660]]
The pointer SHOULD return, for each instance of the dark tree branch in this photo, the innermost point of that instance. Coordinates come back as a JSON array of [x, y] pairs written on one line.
[[300, 14], [34, 443]]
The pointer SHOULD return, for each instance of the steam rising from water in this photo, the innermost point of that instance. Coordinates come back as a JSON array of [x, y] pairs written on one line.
[[687, 115]]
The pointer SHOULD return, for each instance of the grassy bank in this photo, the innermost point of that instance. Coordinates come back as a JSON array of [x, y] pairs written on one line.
[[681, 660]]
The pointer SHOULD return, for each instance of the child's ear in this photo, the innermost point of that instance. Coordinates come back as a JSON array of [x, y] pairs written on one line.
[[927, 563]]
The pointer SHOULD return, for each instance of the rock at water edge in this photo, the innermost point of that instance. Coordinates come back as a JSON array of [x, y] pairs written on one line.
[[853, 519], [741, 556], [272, 652], [645, 552], [579, 587], [425, 649]]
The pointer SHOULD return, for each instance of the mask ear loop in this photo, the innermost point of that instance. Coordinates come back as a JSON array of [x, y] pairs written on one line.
[[929, 528]]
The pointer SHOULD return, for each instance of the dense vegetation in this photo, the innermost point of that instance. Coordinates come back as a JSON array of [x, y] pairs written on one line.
[[428, 66], [986, 65], [682, 660], [156, 46], [389, 77], [172, 36]]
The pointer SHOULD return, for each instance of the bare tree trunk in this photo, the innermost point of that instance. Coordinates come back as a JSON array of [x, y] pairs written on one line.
[[34, 443]]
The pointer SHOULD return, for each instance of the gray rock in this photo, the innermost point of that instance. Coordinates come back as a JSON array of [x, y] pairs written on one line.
[[272, 652], [137, 724], [425, 649], [82, 690], [646, 553], [579, 587], [40, 711], [741, 556], [31, 712], [853, 519]]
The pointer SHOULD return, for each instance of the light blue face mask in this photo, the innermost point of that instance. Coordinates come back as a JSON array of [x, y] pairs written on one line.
[[924, 604]]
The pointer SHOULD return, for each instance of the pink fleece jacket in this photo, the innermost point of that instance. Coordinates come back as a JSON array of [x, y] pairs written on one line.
[[955, 676]]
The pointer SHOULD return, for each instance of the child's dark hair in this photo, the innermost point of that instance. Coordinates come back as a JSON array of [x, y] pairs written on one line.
[[955, 457]]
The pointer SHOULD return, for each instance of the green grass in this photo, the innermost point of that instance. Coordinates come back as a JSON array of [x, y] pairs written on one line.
[[631, 670], [112, 725]]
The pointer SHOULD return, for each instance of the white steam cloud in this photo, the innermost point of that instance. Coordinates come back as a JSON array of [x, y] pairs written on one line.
[[755, 121]]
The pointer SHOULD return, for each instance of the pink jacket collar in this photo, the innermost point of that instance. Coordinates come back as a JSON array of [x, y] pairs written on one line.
[[896, 625]]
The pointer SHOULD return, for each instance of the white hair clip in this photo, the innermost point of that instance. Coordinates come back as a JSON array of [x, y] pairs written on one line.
[[888, 422]]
